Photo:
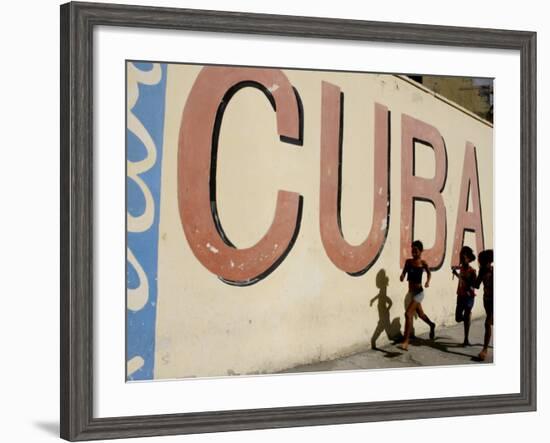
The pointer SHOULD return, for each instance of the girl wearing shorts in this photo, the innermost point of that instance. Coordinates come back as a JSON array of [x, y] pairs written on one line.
[[414, 267]]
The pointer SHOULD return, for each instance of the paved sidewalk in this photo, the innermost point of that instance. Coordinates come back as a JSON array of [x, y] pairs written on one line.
[[445, 349]]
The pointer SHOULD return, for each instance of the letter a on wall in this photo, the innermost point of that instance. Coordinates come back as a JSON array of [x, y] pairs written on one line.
[[468, 220]]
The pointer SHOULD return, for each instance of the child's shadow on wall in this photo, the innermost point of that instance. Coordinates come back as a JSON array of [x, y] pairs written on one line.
[[391, 328]]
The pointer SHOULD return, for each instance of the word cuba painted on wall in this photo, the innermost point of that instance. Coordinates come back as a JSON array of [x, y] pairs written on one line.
[[198, 144]]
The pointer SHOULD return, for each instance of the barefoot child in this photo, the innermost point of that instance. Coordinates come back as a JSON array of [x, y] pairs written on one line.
[[465, 294], [485, 276], [414, 267]]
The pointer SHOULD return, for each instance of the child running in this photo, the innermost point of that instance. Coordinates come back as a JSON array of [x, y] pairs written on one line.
[[465, 294], [485, 276], [414, 267]]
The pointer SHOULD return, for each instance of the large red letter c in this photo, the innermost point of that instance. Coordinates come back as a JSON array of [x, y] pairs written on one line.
[[211, 91]]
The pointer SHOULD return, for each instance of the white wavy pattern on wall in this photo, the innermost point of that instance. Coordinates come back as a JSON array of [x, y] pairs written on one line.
[[137, 297]]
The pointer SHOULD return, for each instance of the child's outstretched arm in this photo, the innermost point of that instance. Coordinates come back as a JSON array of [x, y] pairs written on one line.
[[473, 279], [428, 273], [479, 278], [402, 276]]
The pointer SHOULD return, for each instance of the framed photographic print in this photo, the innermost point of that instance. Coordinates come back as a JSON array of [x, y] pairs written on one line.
[[273, 221]]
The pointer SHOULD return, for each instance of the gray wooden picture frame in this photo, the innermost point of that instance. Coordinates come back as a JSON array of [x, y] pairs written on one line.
[[77, 217]]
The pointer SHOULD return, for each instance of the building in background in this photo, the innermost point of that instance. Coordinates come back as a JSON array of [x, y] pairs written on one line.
[[474, 94]]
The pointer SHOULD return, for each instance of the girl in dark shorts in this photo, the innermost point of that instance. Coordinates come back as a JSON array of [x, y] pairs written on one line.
[[414, 267], [485, 276], [465, 294]]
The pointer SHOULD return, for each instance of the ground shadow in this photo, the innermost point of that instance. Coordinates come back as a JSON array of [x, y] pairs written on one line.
[[443, 345], [384, 304]]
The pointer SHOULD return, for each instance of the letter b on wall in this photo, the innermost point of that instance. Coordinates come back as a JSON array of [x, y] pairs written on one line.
[[415, 188]]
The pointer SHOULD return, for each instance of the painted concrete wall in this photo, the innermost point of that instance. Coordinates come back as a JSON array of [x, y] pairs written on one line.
[[307, 309]]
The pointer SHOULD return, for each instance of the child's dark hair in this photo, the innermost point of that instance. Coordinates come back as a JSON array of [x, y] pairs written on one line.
[[467, 251], [486, 257], [418, 245]]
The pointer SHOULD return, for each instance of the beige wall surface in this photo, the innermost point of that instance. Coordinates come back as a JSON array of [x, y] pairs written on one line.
[[306, 310]]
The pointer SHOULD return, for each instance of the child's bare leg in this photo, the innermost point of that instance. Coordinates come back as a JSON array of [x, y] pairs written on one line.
[[459, 313], [467, 321], [409, 313], [487, 338], [488, 334], [427, 320]]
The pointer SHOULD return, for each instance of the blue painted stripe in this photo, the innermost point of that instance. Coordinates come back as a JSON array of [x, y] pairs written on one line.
[[140, 326]]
